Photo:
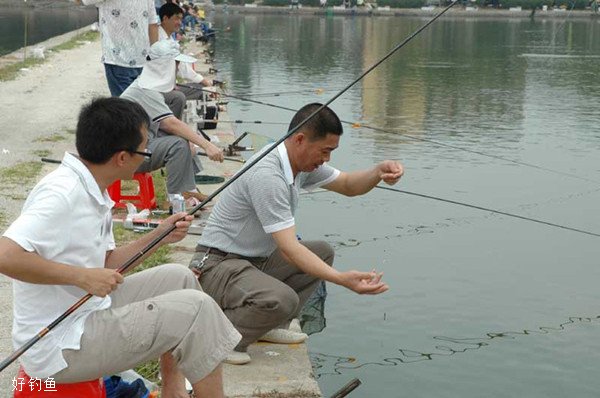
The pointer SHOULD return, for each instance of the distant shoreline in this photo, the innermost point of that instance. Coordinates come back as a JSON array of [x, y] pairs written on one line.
[[460, 12], [36, 3]]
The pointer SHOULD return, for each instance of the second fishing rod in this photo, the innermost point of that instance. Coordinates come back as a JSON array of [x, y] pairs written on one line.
[[122, 269]]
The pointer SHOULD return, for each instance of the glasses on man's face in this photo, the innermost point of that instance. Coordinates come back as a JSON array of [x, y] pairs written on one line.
[[146, 153]]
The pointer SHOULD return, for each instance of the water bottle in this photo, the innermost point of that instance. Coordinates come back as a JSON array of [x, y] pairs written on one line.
[[177, 203]]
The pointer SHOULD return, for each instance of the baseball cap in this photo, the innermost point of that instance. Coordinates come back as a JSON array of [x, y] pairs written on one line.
[[159, 71], [168, 49]]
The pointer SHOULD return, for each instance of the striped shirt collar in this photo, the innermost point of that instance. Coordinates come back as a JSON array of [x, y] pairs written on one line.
[[285, 163]]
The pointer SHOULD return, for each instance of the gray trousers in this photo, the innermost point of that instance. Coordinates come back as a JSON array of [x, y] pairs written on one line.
[[153, 312], [173, 152], [259, 294], [192, 91]]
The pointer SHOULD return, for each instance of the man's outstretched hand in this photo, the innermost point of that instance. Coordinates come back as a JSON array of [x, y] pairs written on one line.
[[390, 171], [364, 282]]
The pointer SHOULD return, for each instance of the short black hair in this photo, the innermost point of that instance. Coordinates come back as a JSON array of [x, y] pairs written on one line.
[[323, 123], [168, 10], [107, 126]]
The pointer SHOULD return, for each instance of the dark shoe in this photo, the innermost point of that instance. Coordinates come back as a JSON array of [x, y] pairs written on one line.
[[203, 179]]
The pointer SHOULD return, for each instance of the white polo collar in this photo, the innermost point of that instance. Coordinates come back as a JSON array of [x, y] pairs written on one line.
[[285, 163], [87, 179]]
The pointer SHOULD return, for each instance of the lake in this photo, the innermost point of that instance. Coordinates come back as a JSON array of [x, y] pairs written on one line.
[[498, 113], [41, 22]]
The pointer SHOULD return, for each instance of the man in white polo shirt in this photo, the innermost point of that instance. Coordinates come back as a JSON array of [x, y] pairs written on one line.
[[62, 247], [170, 15], [249, 258], [169, 137]]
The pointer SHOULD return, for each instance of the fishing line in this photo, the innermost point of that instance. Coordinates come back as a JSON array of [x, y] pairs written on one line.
[[340, 242], [17, 353], [489, 210], [411, 356], [562, 25], [318, 91], [435, 142]]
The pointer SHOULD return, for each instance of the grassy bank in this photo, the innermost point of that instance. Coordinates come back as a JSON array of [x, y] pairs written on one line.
[[10, 72]]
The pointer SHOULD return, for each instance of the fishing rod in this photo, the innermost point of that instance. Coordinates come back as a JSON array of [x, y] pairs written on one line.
[[489, 210], [123, 268], [278, 93], [240, 121], [225, 158], [347, 389], [428, 140], [317, 91], [48, 160]]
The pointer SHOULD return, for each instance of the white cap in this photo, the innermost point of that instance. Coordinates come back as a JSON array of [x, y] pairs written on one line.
[[168, 49], [159, 71]]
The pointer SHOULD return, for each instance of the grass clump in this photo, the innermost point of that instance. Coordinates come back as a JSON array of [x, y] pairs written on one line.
[[10, 72], [124, 236], [41, 153], [77, 41], [150, 371], [20, 173], [51, 138]]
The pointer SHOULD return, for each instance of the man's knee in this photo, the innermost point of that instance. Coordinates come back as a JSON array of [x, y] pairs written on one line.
[[281, 303], [177, 99], [182, 276], [199, 301], [179, 151]]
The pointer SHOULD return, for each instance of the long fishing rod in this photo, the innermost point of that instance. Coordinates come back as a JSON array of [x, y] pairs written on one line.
[[489, 210], [20, 351], [240, 121], [317, 91], [225, 158], [435, 142]]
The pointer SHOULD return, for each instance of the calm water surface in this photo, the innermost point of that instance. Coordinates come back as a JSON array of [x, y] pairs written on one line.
[[33, 25], [479, 305]]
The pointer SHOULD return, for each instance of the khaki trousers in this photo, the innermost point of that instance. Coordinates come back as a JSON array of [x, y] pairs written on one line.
[[153, 312], [259, 294]]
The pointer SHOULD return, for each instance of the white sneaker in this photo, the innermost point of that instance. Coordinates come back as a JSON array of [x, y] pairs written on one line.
[[237, 358], [283, 336], [295, 325]]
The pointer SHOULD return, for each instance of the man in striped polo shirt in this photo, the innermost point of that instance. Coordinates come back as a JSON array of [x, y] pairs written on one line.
[[249, 258]]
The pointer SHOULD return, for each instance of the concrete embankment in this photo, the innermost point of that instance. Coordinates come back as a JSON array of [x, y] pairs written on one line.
[[39, 113]]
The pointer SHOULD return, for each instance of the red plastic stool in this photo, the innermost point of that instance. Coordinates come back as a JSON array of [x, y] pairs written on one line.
[[26, 387], [144, 200]]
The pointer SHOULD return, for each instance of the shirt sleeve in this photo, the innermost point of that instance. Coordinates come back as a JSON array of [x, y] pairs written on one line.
[[270, 197], [186, 72], [152, 102], [152, 17], [92, 2], [35, 229], [321, 176]]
